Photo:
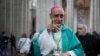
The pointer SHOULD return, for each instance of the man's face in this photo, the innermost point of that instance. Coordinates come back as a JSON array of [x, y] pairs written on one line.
[[57, 15], [81, 30]]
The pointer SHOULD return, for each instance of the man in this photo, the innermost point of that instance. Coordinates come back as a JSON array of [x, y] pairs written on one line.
[[4, 46], [89, 42], [98, 39], [0, 40], [57, 39], [0, 44], [13, 44]]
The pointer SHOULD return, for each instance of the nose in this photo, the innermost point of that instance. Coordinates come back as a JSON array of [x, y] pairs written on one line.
[[59, 18]]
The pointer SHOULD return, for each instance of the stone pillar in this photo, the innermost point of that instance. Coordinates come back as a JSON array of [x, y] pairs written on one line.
[[94, 16], [97, 15], [75, 20], [11, 15], [29, 18], [2, 4], [71, 21], [91, 15], [15, 17], [40, 14]]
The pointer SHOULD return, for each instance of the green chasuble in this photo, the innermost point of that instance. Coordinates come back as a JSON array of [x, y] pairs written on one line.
[[69, 42]]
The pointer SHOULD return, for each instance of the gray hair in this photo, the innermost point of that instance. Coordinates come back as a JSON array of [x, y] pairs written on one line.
[[84, 25]]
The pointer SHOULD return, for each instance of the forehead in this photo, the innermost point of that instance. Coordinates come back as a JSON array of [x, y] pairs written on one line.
[[81, 26], [57, 11]]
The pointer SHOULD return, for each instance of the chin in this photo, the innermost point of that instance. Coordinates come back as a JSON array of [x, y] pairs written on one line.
[[79, 34], [59, 25]]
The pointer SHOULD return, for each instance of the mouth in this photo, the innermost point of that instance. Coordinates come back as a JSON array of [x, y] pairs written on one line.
[[59, 25], [58, 22]]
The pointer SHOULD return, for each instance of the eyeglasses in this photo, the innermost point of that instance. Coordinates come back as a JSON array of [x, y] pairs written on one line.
[[57, 15]]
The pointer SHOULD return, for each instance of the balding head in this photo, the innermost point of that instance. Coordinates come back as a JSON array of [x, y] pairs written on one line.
[[82, 29], [56, 7], [83, 25]]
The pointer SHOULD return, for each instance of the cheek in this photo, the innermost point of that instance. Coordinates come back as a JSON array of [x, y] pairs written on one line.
[[62, 19], [51, 18], [80, 31]]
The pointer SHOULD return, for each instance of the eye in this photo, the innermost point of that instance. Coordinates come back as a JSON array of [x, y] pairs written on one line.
[[57, 15], [61, 16]]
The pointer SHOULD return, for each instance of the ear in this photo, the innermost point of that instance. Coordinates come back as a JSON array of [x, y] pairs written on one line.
[[50, 15]]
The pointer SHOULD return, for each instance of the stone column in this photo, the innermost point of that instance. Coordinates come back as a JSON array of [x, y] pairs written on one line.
[[75, 20], [97, 15], [91, 16], [5, 15], [29, 18], [94, 16], [2, 9], [70, 21], [15, 17], [40, 14], [11, 15]]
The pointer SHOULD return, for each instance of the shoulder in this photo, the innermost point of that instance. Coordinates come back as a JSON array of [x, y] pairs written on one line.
[[66, 29], [92, 37], [68, 33], [36, 38], [21, 39]]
